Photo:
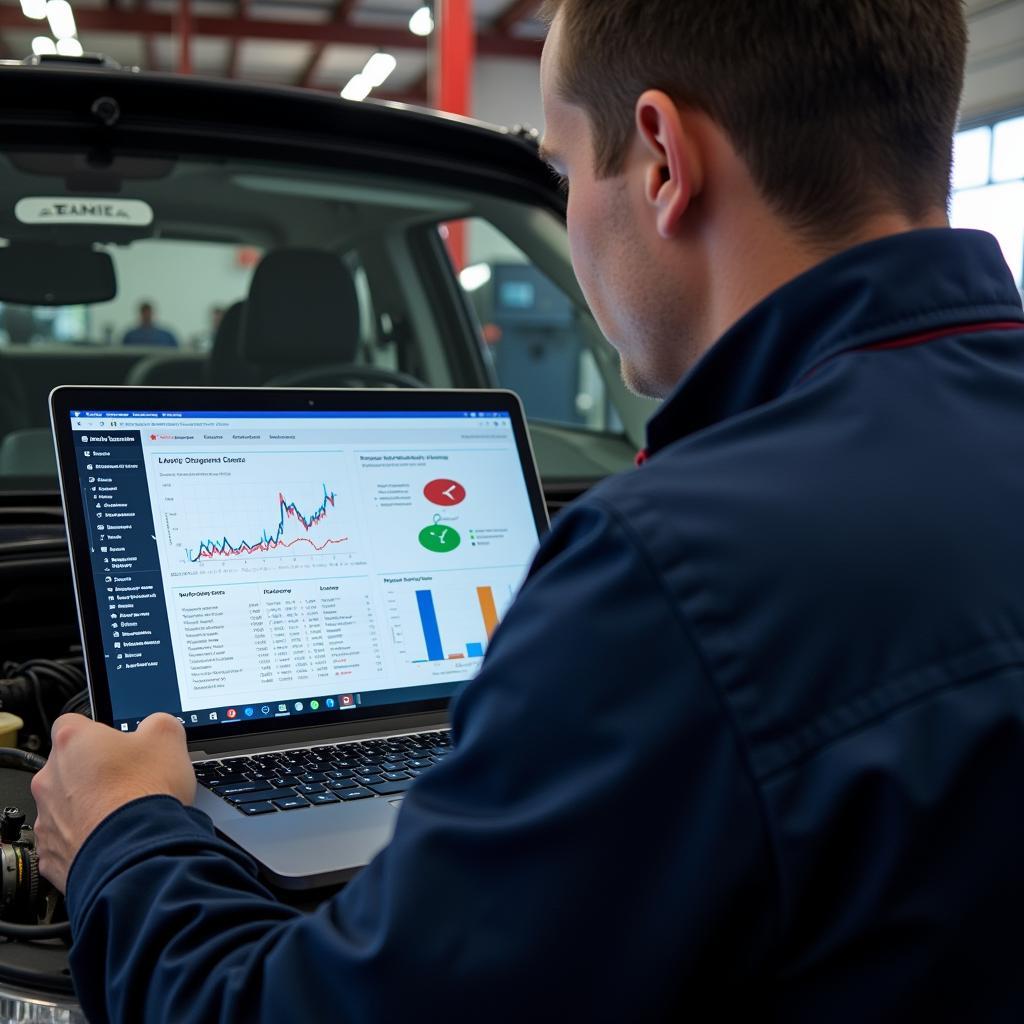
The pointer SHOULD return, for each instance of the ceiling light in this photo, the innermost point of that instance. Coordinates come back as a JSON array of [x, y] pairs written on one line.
[[69, 48], [422, 22], [43, 46], [62, 19], [475, 276], [34, 9], [358, 88], [378, 68]]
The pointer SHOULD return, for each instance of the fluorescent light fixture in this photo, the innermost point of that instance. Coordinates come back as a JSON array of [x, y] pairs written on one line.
[[358, 88], [378, 69], [422, 22], [34, 9], [376, 72], [475, 277], [43, 46], [69, 48], [61, 18]]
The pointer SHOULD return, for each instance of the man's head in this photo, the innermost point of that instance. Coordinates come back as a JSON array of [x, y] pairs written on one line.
[[698, 138], [146, 313]]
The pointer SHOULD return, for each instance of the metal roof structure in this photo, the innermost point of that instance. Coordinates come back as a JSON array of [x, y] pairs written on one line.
[[317, 44], [995, 67], [321, 44]]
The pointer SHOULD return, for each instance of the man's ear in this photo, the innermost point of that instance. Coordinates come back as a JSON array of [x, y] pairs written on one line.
[[673, 174]]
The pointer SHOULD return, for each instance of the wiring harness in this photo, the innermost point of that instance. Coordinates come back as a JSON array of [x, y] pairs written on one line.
[[39, 691]]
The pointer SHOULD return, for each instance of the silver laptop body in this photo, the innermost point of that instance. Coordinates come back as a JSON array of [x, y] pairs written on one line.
[[286, 570]]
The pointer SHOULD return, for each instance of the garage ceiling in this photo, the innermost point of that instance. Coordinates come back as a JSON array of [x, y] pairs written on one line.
[[323, 43], [316, 43], [995, 70]]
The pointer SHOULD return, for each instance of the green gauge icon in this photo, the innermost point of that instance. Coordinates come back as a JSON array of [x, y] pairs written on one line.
[[439, 538]]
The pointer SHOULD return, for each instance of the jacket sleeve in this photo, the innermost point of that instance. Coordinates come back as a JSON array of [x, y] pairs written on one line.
[[593, 849]]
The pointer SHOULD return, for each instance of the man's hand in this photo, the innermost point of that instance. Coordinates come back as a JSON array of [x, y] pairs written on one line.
[[92, 771]]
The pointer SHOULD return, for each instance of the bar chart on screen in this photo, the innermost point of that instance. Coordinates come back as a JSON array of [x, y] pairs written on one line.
[[443, 625]]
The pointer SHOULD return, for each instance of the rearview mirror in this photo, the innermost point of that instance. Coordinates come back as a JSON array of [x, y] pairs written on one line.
[[46, 274]]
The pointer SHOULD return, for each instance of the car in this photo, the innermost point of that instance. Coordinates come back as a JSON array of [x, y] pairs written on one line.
[[163, 231]]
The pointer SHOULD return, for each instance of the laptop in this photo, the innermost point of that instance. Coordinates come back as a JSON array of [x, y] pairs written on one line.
[[305, 578]]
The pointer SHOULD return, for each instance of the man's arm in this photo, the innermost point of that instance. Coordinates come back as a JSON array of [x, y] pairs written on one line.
[[593, 847]]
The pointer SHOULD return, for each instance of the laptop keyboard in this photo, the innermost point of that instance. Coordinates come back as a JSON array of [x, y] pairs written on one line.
[[285, 780]]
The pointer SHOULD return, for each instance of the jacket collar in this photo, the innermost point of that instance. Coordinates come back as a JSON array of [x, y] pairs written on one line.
[[881, 291]]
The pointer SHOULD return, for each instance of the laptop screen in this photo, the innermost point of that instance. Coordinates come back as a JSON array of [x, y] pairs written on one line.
[[268, 565]]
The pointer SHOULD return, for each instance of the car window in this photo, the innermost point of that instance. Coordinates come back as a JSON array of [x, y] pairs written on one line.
[[187, 285], [541, 341], [536, 336], [181, 271]]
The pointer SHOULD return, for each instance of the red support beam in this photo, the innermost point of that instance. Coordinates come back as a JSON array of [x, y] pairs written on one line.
[[456, 57], [185, 37], [453, 84], [517, 11], [342, 11], [141, 22]]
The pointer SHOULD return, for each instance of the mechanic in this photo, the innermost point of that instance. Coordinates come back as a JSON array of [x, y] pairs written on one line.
[[751, 738], [147, 332]]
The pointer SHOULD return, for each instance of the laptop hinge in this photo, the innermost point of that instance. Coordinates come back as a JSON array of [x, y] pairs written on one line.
[[334, 733]]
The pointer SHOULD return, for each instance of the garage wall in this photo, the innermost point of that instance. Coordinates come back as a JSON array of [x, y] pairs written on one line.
[[507, 92]]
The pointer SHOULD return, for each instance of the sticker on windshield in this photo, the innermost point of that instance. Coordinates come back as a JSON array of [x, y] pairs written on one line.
[[133, 213]]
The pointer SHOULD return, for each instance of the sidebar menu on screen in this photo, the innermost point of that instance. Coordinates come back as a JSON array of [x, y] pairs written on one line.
[[126, 573]]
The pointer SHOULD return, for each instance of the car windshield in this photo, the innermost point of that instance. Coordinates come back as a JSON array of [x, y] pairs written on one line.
[[157, 270]]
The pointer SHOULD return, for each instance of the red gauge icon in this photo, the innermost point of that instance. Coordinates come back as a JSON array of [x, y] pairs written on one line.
[[445, 492]]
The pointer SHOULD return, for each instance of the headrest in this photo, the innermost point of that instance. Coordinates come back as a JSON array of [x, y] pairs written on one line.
[[302, 309], [180, 370], [226, 350]]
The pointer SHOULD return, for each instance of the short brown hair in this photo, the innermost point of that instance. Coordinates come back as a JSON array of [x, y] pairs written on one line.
[[839, 107]]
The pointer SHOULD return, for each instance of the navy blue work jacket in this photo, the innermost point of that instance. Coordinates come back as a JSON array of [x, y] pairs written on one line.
[[751, 739]]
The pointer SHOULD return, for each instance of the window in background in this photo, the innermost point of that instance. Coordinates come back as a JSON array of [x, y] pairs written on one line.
[[988, 187], [188, 286], [534, 333], [1008, 150], [25, 325]]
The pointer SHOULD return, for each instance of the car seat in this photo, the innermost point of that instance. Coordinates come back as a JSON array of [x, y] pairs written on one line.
[[301, 324]]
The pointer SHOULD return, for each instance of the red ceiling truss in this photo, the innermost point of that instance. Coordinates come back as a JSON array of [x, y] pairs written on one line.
[[140, 22], [118, 17]]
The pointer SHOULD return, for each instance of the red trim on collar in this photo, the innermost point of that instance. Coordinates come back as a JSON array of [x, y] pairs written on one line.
[[948, 332], [923, 339]]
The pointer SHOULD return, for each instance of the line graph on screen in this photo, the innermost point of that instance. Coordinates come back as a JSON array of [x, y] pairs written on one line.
[[296, 532]]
